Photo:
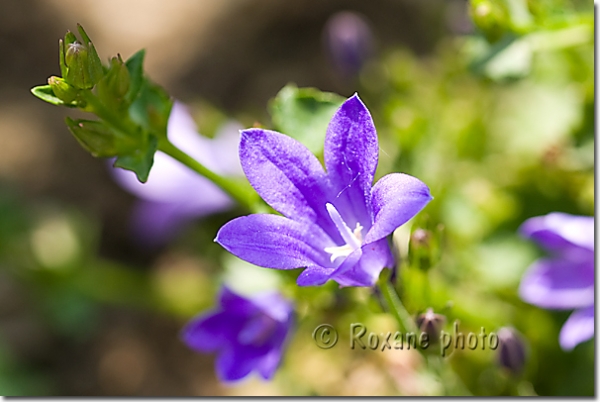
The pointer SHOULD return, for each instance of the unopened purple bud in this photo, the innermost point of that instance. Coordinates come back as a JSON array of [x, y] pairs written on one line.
[[431, 324], [511, 350], [349, 42]]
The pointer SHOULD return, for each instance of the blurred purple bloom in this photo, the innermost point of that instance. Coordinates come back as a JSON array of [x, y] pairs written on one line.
[[349, 42], [174, 194], [247, 334], [512, 353], [335, 224], [565, 280]]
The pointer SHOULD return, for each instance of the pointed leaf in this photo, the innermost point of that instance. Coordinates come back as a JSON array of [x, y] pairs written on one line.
[[135, 65], [95, 137], [140, 161], [152, 108]]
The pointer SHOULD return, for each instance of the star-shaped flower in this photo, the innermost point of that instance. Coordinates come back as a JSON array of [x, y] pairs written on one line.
[[565, 280], [334, 222], [247, 334]]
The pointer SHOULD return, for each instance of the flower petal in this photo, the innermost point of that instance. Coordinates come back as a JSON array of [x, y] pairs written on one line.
[[273, 241], [578, 328], [351, 155], [314, 276], [171, 182], [183, 133], [287, 176], [210, 332], [559, 230], [274, 305], [236, 304], [365, 270], [154, 223], [559, 284], [269, 363], [397, 197], [225, 145], [236, 362]]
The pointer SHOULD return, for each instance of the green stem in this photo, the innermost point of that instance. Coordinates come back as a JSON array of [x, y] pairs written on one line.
[[239, 191], [395, 305]]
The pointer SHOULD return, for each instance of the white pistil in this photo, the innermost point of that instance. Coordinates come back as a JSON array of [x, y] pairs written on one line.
[[353, 239]]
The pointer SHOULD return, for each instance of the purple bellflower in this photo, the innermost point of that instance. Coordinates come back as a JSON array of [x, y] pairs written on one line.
[[174, 194], [248, 334], [565, 280], [335, 224]]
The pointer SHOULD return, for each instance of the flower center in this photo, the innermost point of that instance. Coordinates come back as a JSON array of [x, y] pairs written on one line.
[[353, 239]]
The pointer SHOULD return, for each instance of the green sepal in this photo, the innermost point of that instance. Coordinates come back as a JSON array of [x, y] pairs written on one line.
[[304, 113], [70, 38], [45, 93], [61, 58], [95, 64], [84, 36], [95, 137], [135, 66], [141, 159]]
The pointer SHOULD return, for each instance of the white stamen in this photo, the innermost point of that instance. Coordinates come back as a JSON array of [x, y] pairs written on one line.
[[353, 239]]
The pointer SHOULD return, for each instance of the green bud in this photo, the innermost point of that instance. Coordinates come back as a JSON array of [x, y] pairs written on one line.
[[425, 247], [491, 18], [62, 90], [79, 62], [95, 137], [420, 248], [115, 84], [121, 79]]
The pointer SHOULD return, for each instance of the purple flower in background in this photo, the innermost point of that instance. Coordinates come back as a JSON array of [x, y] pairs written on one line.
[[349, 42], [247, 334], [335, 224], [174, 194], [565, 280]]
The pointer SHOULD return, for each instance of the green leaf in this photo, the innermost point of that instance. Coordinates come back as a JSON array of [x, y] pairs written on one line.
[[152, 108], [97, 138], [140, 160], [45, 93], [304, 113], [135, 65]]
